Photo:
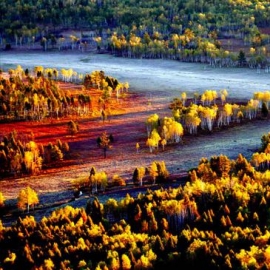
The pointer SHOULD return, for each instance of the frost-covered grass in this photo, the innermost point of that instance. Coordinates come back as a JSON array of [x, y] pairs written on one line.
[[153, 84]]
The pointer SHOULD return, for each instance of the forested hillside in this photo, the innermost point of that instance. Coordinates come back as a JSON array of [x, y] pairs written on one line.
[[164, 16], [185, 30]]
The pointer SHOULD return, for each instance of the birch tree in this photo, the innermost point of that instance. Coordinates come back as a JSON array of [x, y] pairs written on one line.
[[153, 171], [2, 199], [27, 197]]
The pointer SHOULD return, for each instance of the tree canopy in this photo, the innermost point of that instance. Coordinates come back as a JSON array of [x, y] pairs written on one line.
[[27, 197], [186, 30]]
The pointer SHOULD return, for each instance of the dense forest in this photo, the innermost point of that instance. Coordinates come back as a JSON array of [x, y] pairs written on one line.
[[163, 16], [198, 31], [218, 220]]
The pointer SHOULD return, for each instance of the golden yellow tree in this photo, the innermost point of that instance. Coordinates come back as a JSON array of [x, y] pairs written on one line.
[[152, 123], [137, 147], [48, 264], [2, 199], [99, 181], [191, 119], [184, 97], [27, 197], [223, 95], [207, 116], [163, 143], [151, 143], [176, 130], [172, 130], [153, 171], [141, 171], [155, 137], [126, 263], [28, 160]]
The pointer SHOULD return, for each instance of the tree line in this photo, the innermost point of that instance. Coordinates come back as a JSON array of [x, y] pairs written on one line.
[[98, 182], [36, 95], [202, 113], [183, 30]]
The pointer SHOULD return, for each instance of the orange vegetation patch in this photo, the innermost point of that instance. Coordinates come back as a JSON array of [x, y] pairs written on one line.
[[126, 124]]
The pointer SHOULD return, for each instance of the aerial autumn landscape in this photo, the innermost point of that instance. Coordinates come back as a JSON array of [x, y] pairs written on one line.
[[134, 134]]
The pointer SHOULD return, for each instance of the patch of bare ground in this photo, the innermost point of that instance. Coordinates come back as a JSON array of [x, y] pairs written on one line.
[[126, 124], [238, 44], [54, 184]]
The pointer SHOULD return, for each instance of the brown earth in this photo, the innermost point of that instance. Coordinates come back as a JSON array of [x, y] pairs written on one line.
[[126, 124], [54, 184]]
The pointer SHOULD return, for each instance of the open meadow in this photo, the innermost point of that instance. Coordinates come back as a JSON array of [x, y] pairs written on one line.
[[218, 219], [153, 84]]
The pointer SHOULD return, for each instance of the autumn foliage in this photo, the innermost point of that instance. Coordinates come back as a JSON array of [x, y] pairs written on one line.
[[217, 220], [21, 155]]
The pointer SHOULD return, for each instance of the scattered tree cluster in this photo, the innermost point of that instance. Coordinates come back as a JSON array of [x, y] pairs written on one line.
[[37, 97], [261, 159], [55, 151], [27, 197], [99, 181], [21, 155], [108, 86], [162, 131], [202, 112], [157, 171]]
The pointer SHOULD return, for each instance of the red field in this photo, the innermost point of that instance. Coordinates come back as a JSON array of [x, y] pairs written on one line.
[[126, 124]]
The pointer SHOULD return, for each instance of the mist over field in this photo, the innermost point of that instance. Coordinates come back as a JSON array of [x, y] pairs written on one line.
[[150, 76], [160, 81]]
